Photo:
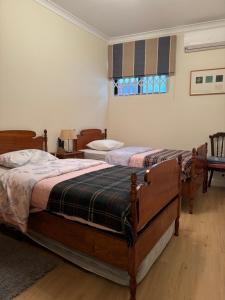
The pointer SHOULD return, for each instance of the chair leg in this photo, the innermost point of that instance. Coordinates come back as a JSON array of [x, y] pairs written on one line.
[[210, 178]]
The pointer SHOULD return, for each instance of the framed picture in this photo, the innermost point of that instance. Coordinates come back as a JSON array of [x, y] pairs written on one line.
[[207, 82]]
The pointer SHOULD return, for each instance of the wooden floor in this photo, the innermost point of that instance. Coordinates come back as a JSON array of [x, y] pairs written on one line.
[[192, 267]]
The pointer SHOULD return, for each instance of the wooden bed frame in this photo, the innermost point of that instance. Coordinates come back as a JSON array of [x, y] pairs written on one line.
[[198, 169], [198, 176], [155, 205], [12, 140]]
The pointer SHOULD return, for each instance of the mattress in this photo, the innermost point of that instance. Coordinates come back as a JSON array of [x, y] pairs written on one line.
[[94, 154], [100, 268]]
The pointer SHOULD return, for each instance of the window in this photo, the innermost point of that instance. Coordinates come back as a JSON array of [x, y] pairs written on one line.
[[155, 84]]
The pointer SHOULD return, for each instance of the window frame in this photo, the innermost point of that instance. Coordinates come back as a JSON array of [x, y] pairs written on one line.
[[115, 88]]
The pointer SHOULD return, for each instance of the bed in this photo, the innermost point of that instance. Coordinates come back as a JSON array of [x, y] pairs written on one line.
[[153, 207], [193, 162]]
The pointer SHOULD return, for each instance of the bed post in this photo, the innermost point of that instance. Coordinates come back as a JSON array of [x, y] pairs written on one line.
[[177, 221], [205, 181], [105, 133], [45, 140], [132, 248], [75, 144], [191, 191]]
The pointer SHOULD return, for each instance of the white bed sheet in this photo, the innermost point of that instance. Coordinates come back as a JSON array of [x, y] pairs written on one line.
[[94, 154], [3, 170]]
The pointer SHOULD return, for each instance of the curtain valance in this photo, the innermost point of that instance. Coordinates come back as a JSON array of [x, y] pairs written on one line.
[[141, 58]]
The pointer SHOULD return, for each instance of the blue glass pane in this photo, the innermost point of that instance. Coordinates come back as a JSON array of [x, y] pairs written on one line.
[[150, 84], [150, 89], [126, 86], [133, 86], [156, 84], [163, 88], [120, 87], [163, 84], [144, 85], [125, 90]]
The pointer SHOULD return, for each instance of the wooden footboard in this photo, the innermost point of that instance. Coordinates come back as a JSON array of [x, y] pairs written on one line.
[[157, 204], [162, 182], [198, 175], [154, 206]]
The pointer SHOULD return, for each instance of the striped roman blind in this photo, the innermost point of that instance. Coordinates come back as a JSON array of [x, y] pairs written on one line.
[[141, 58]]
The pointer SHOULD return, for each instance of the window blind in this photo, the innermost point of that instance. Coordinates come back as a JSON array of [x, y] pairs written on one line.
[[142, 58]]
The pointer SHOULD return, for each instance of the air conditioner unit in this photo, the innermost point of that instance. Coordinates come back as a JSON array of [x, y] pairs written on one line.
[[204, 39]]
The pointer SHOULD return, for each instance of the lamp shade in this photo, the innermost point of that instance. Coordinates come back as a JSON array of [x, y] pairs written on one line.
[[68, 134]]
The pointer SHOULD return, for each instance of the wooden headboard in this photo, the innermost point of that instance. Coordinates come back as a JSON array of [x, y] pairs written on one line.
[[12, 140], [88, 135]]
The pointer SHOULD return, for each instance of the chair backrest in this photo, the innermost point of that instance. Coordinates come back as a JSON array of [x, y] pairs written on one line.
[[218, 144]]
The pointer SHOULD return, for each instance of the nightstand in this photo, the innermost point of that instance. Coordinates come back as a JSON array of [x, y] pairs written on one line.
[[74, 154]]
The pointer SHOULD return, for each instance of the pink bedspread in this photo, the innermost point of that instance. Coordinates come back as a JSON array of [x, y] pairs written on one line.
[[137, 160], [18, 184], [43, 188]]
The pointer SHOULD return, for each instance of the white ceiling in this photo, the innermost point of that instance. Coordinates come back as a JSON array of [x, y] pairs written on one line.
[[116, 18]]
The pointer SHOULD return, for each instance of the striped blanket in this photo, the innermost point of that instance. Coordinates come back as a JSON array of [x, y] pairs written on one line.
[[166, 154], [101, 197]]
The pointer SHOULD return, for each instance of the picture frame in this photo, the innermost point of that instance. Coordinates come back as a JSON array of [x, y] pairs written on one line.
[[207, 82]]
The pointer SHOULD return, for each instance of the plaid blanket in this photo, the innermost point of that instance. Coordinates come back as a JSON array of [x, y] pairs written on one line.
[[101, 197], [171, 154]]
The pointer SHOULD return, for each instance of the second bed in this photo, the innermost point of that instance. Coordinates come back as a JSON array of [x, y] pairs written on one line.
[[193, 162]]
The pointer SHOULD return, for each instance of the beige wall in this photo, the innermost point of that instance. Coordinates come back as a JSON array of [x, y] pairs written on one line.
[[175, 119], [52, 74]]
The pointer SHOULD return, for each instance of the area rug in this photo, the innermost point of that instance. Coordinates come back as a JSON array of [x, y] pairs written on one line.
[[21, 264]]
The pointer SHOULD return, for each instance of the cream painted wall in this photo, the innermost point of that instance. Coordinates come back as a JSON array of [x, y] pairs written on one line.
[[175, 119], [52, 74]]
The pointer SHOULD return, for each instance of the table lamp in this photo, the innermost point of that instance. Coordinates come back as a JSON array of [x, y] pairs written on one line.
[[67, 135]]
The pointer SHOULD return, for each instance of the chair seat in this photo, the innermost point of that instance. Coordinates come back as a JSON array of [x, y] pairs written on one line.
[[216, 160], [217, 167]]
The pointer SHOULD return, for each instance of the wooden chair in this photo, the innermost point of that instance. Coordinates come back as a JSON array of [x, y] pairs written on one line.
[[216, 162]]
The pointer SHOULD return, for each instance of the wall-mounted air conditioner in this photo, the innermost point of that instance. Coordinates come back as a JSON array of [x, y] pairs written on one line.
[[204, 39]]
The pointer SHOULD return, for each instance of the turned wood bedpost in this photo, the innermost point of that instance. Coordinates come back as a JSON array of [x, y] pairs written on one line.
[[45, 140], [132, 262], [134, 204], [105, 133], [205, 181], [193, 171], [177, 221], [75, 144]]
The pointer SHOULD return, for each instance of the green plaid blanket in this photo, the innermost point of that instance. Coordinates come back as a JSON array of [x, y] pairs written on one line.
[[166, 154], [101, 197]]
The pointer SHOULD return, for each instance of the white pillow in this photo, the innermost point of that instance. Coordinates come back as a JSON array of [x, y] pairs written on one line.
[[105, 145], [21, 157]]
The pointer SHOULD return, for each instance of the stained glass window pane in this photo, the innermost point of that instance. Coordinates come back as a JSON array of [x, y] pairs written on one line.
[[155, 84]]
